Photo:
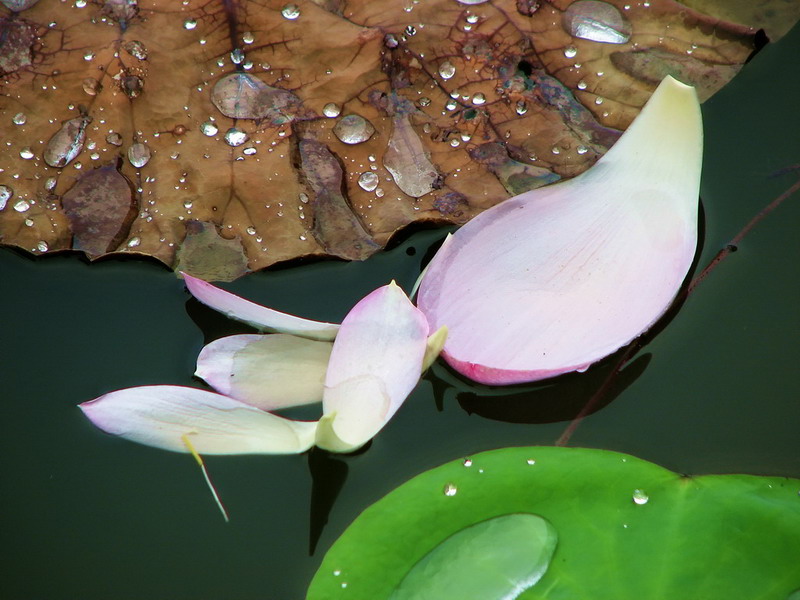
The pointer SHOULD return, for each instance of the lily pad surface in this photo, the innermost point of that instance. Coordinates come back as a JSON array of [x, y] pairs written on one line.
[[626, 528]]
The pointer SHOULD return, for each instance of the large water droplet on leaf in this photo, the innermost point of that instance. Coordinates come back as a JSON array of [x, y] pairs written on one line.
[[290, 11], [5, 195], [368, 181], [447, 70], [139, 155], [235, 137], [495, 559], [244, 96], [136, 49], [66, 143], [596, 21], [353, 129], [408, 162], [18, 5]]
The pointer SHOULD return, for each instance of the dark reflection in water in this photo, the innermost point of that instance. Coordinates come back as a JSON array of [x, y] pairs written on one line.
[[560, 399], [328, 475]]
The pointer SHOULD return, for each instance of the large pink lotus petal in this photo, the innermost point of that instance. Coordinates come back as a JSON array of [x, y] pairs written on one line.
[[258, 316], [266, 371], [375, 363], [557, 278], [160, 415]]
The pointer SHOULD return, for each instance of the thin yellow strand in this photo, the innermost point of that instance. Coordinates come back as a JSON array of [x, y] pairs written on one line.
[[202, 465]]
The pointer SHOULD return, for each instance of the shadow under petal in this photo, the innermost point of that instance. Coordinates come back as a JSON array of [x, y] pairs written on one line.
[[328, 475], [559, 399], [213, 324]]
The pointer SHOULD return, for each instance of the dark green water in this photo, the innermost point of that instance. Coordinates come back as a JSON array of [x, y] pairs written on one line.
[[91, 517]]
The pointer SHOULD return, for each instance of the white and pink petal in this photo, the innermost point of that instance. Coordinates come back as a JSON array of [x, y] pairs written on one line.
[[269, 372], [260, 317], [163, 416], [557, 278]]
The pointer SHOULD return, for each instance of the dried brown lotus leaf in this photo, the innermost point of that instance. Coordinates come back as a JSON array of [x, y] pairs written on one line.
[[230, 120]]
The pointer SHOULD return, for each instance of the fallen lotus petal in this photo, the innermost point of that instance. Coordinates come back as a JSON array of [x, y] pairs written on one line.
[[376, 361], [258, 316], [161, 415], [557, 278], [266, 371]]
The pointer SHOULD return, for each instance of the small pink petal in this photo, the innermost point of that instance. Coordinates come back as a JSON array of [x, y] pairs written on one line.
[[266, 371], [160, 415], [375, 363], [557, 278], [258, 316]]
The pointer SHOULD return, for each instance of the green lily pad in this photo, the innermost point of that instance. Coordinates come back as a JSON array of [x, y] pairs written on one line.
[[626, 529]]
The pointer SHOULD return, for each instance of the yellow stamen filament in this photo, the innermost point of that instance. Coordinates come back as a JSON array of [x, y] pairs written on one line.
[[211, 487]]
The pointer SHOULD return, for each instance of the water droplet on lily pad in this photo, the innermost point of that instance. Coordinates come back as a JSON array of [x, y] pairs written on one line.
[[66, 143], [290, 11], [498, 558], [21, 205], [19, 119], [353, 129], [114, 139], [596, 21], [447, 70], [208, 128], [26, 153], [570, 51], [640, 497], [235, 137], [5, 195], [467, 462], [450, 489], [136, 49], [139, 155], [237, 56], [368, 181], [331, 110], [42, 246], [478, 99], [91, 86], [189, 24], [133, 242]]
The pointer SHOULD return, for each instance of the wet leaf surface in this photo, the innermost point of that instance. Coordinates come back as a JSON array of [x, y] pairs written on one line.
[[319, 128]]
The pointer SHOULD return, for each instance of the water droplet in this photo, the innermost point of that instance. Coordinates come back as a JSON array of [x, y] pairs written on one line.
[[451, 105], [5, 195], [521, 107], [556, 150], [290, 11], [640, 497], [237, 56], [596, 21], [132, 86], [353, 129], [581, 149], [187, 204], [136, 49], [368, 181], [42, 246], [26, 153], [208, 128], [21, 205], [478, 99], [250, 150], [88, 55], [472, 19], [139, 155], [531, 461], [450, 489], [570, 51], [455, 143], [66, 143], [80, 3], [235, 137], [251, 230], [19, 119], [598, 100], [447, 70], [189, 24], [410, 30], [467, 462], [133, 242], [331, 110], [471, 2], [390, 41], [581, 85], [379, 193], [50, 184], [247, 37], [114, 139]]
